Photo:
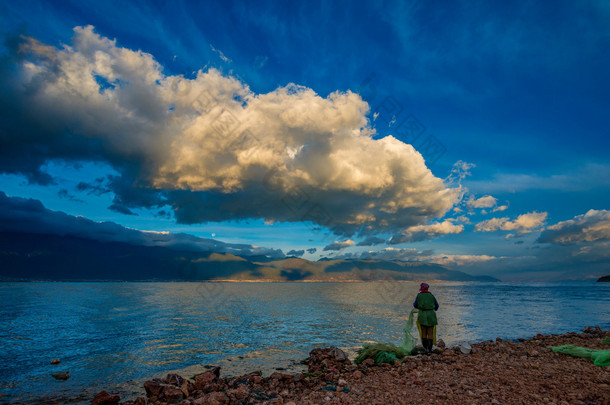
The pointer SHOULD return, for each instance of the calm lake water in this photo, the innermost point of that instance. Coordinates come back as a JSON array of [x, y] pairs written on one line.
[[114, 336]]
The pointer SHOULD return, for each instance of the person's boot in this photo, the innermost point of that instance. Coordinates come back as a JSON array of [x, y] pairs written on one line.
[[429, 347]]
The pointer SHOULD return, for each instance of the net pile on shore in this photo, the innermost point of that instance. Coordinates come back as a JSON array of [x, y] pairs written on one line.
[[387, 352], [598, 357]]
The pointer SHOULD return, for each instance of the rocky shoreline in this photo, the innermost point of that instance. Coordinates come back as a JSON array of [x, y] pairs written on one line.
[[493, 372]]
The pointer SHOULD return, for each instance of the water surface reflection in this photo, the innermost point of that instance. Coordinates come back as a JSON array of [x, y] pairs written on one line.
[[111, 333]]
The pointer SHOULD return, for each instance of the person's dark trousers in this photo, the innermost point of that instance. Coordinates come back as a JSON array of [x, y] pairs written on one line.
[[424, 343]]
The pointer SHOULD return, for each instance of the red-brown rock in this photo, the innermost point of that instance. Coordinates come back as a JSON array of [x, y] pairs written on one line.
[[204, 381], [172, 393], [213, 398], [175, 379], [154, 387], [104, 398]]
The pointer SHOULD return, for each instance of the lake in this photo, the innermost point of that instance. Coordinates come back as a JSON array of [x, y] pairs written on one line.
[[114, 336]]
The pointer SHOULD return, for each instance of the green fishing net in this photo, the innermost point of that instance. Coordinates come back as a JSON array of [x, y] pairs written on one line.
[[387, 352], [599, 357]]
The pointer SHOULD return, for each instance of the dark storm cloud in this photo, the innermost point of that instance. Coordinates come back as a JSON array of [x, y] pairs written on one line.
[[297, 253], [28, 215], [371, 241]]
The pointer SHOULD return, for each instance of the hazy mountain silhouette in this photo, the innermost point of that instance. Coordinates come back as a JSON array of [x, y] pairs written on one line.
[[33, 256]]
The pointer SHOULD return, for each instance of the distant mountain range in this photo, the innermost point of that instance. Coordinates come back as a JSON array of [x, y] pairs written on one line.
[[35, 256]]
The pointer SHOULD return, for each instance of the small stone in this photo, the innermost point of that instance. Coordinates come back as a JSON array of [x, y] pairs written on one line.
[[339, 354], [240, 393], [55, 361], [342, 382], [418, 350], [440, 343], [213, 398], [62, 375], [204, 380], [368, 362], [185, 389], [104, 398], [218, 398], [465, 348], [280, 376], [358, 374], [175, 379], [172, 393], [153, 388]]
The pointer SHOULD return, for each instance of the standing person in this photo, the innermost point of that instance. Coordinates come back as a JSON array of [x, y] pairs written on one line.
[[427, 305]]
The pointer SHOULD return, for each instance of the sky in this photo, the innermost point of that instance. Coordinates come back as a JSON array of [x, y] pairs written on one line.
[[471, 134]]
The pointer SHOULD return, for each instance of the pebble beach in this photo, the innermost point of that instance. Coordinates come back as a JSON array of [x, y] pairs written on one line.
[[492, 372]]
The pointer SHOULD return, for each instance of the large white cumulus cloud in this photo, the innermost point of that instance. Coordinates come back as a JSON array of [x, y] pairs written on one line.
[[208, 146]]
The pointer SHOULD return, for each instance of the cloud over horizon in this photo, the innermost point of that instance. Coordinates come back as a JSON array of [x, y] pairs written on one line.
[[590, 227], [30, 216], [339, 245], [423, 232], [525, 223], [207, 146]]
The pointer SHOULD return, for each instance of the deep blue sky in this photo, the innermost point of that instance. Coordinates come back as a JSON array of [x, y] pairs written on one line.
[[517, 92]]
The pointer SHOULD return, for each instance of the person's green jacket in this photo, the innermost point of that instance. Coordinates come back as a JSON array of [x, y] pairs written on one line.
[[427, 305]]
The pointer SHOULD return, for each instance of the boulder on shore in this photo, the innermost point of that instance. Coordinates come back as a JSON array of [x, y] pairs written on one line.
[[104, 398]]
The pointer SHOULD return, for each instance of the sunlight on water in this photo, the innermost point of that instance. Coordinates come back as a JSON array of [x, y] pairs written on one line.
[[117, 335]]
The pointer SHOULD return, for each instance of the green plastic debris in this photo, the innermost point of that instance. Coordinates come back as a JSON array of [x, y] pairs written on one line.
[[599, 357], [387, 352], [386, 357]]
